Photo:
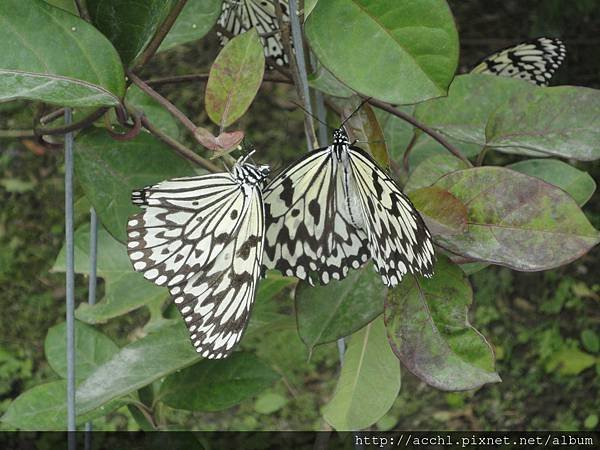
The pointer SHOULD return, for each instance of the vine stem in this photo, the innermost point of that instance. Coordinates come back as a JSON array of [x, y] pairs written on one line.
[[67, 128], [204, 77], [408, 118], [179, 148], [175, 112], [160, 34]]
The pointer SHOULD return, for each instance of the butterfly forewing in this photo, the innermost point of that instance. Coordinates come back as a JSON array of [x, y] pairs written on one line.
[[239, 16], [399, 241], [535, 61], [202, 237], [310, 225]]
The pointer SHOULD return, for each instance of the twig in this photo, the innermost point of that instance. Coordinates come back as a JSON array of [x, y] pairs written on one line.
[[204, 77], [406, 117], [297, 66], [175, 112], [36, 132], [181, 149], [52, 116], [481, 156], [160, 35], [83, 11]]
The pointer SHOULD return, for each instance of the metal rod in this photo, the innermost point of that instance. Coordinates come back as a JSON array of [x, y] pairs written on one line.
[[93, 256], [92, 295], [301, 63], [70, 279], [341, 345]]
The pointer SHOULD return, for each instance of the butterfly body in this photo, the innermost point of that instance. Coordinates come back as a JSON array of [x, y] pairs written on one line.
[[202, 237], [333, 210]]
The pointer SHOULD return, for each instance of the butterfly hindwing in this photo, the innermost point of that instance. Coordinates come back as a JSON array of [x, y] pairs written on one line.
[[310, 226], [399, 241], [202, 237], [535, 61]]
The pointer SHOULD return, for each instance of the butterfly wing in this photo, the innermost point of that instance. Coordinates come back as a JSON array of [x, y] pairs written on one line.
[[535, 61], [311, 226], [239, 16], [202, 237], [399, 241]]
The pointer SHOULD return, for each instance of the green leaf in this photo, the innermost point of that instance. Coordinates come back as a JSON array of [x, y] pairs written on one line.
[[234, 78], [378, 55], [590, 340], [560, 121], [214, 385], [429, 330], [577, 183], [516, 220], [369, 382], [570, 361], [109, 170], [44, 407], [195, 20], [591, 421], [323, 80], [338, 309], [129, 24], [364, 127], [92, 349], [67, 5], [53, 56], [269, 402], [124, 290], [136, 365], [432, 169], [463, 115], [443, 212]]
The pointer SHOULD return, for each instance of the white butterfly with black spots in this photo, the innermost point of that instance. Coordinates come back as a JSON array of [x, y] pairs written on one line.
[[202, 237], [239, 16], [333, 210], [535, 61]]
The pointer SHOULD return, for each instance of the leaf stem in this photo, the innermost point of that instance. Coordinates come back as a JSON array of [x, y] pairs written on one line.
[[160, 34], [83, 11], [406, 117], [179, 148]]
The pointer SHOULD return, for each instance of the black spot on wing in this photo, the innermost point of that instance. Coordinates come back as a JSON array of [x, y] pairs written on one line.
[[287, 194], [315, 210]]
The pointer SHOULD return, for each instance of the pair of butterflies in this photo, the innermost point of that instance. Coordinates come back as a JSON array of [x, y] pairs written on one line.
[[534, 61], [208, 238]]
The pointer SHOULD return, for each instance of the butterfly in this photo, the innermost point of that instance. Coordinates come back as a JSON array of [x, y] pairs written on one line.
[[334, 209], [202, 237], [239, 16], [534, 61]]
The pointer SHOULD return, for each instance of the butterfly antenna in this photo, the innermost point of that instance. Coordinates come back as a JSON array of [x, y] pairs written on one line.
[[243, 159], [311, 115], [366, 100]]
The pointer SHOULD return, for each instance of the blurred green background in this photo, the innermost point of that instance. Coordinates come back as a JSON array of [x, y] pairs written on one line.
[[545, 327]]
